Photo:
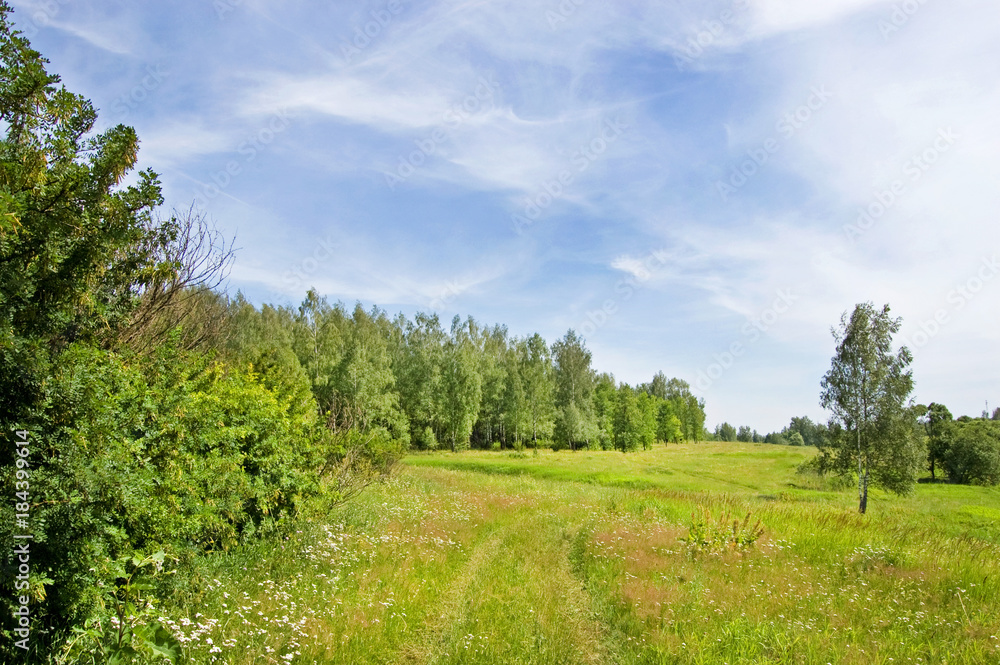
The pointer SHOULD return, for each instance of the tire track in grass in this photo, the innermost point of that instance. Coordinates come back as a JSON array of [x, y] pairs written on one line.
[[515, 600], [592, 637], [433, 634]]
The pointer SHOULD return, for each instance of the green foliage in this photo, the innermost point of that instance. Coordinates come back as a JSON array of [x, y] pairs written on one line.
[[713, 535], [669, 428], [605, 393], [74, 247], [776, 439], [126, 629], [425, 439], [725, 432], [364, 377], [317, 339], [937, 422], [648, 412], [180, 454], [502, 389], [462, 386], [574, 388], [573, 428], [351, 460], [627, 420], [801, 431], [972, 454], [261, 340], [813, 434], [537, 377], [866, 388]]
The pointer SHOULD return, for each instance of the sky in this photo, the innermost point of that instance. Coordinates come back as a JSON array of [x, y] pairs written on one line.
[[699, 188]]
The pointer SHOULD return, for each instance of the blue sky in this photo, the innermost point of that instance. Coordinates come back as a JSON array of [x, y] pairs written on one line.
[[700, 188]]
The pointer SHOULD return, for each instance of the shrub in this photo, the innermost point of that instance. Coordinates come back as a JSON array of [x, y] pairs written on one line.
[[180, 455], [353, 459]]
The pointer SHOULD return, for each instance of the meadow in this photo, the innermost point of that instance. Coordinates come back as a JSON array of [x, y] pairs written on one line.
[[586, 557]]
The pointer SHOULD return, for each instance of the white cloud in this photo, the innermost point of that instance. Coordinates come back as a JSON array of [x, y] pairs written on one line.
[[172, 145], [379, 105], [771, 17], [98, 36]]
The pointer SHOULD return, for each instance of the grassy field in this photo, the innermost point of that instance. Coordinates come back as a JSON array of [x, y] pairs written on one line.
[[578, 558]]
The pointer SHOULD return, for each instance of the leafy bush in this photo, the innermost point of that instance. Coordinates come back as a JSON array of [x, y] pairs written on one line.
[[126, 628], [179, 455], [972, 454], [795, 439]]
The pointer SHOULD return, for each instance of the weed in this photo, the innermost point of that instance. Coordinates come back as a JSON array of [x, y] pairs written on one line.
[[711, 535]]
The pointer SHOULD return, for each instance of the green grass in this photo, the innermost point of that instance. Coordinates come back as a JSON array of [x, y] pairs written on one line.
[[724, 468], [577, 558]]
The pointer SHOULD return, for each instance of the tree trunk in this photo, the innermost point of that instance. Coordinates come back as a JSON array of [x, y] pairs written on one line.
[[864, 493], [862, 479]]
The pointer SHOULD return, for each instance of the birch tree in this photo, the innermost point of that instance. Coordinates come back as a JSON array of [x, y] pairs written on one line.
[[866, 389]]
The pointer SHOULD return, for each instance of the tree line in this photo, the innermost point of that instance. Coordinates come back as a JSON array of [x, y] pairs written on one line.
[[470, 385], [801, 431]]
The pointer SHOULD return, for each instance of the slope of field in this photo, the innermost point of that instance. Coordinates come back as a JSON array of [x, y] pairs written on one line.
[[579, 558]]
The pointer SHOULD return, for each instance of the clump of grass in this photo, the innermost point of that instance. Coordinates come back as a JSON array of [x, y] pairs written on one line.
[[710, 535], [869, 557]]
